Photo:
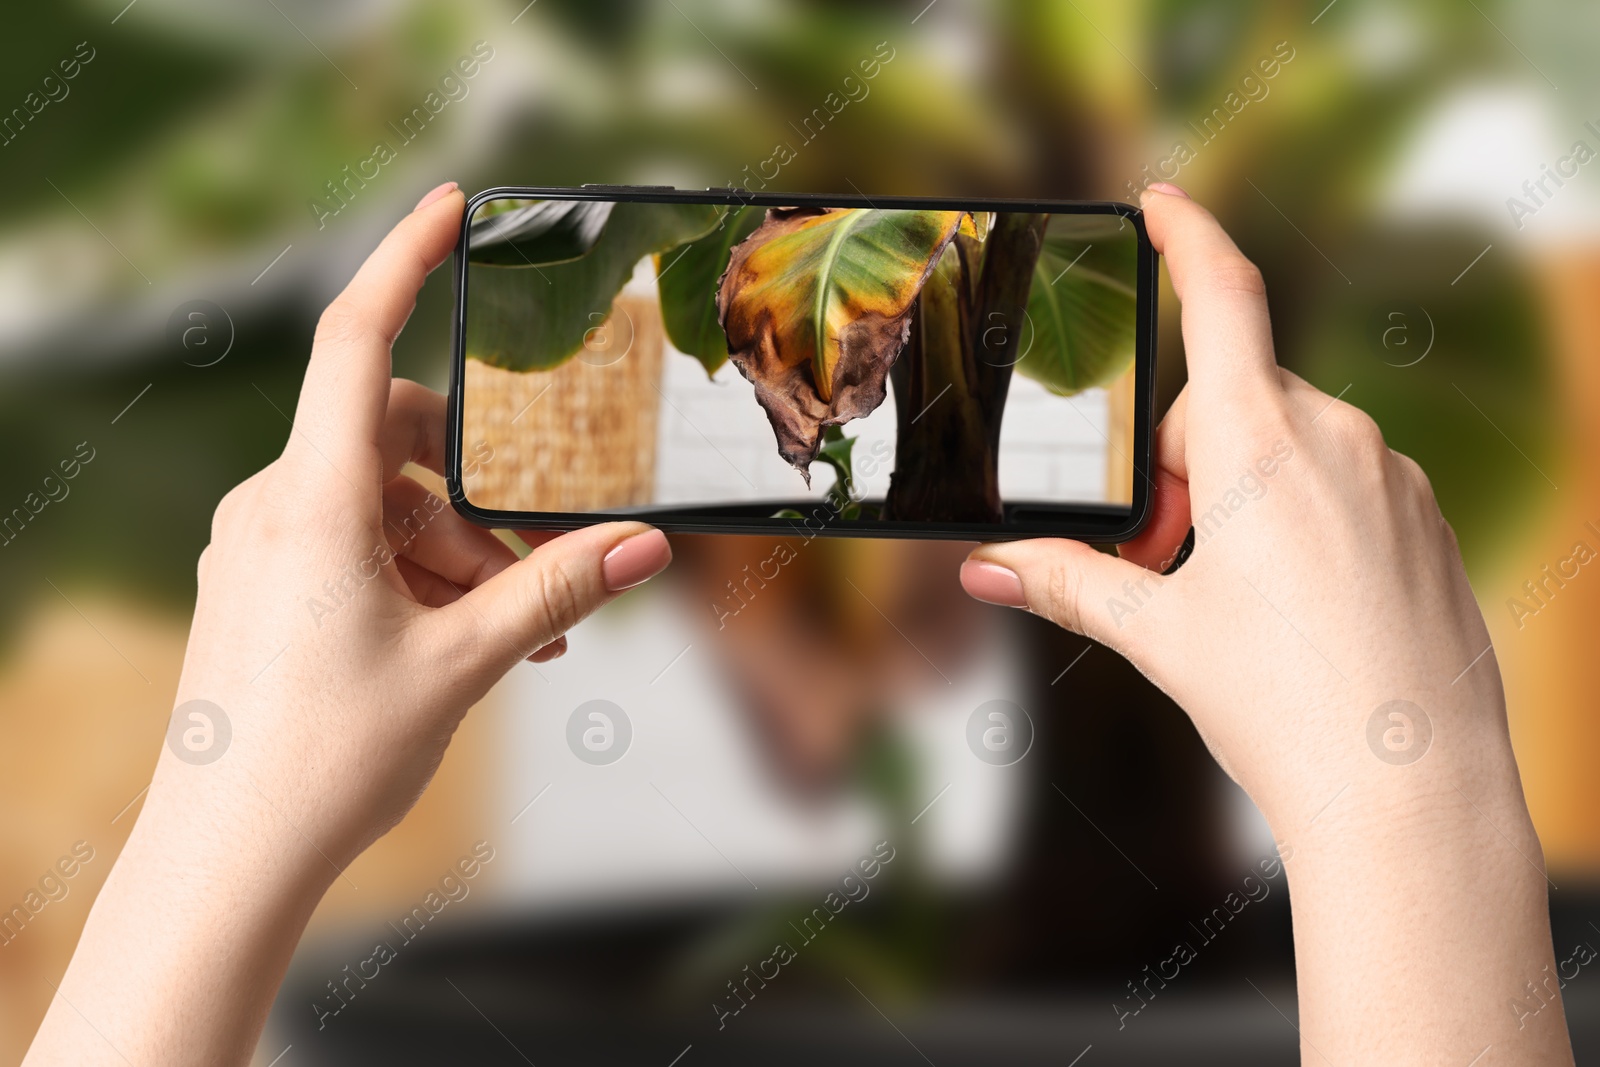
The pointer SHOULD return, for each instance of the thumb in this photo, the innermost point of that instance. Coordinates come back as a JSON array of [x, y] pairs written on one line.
[[559, 584], [1068, 582]]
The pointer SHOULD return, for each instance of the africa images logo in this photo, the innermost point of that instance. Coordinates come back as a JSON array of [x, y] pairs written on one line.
[[199, 732], [1399, 732], [999, 732], [599, 732]]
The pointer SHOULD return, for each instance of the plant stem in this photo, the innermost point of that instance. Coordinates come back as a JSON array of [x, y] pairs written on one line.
[[951, 380]]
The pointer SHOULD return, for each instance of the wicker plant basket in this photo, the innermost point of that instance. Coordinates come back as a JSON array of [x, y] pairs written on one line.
[[581, 437]]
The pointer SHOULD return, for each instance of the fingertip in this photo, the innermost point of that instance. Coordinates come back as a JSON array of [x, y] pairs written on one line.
[[1157, 544], [350, 355], [1226, 327], [1166, 188], [635, 559], [435, 195], [992, 583], [1161, 553], [554, 650], [1167, 207]]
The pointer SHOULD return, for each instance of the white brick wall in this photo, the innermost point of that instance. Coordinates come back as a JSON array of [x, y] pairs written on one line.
[[716, 444], [1052, 447]]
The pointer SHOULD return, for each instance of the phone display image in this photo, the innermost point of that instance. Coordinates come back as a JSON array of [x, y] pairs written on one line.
[[880, 367]]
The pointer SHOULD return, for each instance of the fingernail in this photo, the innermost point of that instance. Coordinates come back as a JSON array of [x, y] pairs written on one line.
[[444, 190], [1168, 188], [992, 583], [639, 558]]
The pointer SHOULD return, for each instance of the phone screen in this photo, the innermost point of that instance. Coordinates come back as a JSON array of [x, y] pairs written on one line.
[[727, 362]]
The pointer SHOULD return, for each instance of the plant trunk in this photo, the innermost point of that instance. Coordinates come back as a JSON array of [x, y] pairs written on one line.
[[950, 381]]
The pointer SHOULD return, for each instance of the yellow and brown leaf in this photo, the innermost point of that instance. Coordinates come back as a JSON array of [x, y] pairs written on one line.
[[816, 304]]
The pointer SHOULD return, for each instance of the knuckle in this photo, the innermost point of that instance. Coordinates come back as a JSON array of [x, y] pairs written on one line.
[[559, 602], [1450, 536], [1357, 431], [1266, 429], [407, 395], [1413, 473], [1236, 274], [1288, 380], [258, 508], [1064, 596], [1364, 435], [340, 323], [219, 519], [1415, 483], [275, 523], [229, 509]]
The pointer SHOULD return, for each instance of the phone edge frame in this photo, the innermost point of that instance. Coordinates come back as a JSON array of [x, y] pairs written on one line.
[[1081, 527]]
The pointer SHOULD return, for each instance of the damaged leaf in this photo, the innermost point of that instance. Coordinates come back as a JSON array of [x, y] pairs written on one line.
[[816, 304]]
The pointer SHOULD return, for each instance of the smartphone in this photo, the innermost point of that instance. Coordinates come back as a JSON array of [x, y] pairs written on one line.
[[734, 362]]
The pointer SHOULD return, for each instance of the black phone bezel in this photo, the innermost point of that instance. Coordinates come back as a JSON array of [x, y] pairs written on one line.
[[1101, 523]]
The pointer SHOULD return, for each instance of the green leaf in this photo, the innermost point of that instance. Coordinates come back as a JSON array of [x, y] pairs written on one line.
[[541, 232], [1082, 306], [535, 317], [835, 452], [688, 281]]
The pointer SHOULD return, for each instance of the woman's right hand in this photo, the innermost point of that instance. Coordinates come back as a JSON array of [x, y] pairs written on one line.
[[1324, 640], [1324, 582]]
